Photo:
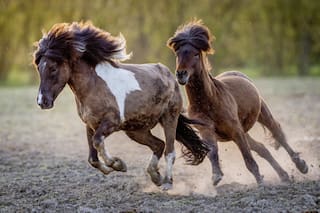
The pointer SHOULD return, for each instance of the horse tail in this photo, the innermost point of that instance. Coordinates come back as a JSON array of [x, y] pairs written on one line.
[[194, 149]]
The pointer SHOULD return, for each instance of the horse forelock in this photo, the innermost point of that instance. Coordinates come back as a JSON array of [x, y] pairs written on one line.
[[193, 33], [56, 44]]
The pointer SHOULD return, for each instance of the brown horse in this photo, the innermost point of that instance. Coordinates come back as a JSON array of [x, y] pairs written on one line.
[[229, 104], [112, 96]]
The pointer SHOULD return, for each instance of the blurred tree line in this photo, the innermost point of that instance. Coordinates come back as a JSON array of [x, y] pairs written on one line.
[[274, 37]]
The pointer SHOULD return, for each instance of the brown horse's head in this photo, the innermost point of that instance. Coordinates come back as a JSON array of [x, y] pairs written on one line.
[[190, 43]]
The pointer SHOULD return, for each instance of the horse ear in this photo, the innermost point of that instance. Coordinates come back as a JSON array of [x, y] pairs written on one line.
[[79, 47]]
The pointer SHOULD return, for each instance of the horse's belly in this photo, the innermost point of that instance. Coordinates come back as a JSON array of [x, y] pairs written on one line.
[[140, 122]]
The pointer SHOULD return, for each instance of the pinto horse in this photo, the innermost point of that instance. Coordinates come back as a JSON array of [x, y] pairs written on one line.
[[112, 96], [229, 104]]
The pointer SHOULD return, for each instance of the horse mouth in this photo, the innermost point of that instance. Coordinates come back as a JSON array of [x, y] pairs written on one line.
[[45, 103], [48, 106], [183, 80], [182, 77]]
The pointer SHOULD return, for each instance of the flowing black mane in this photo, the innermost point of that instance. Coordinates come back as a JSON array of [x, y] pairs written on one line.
[[194, 33], [93, 45], [56, 44]]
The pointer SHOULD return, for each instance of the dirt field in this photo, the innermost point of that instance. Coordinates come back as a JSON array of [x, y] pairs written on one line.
[[43, 162]]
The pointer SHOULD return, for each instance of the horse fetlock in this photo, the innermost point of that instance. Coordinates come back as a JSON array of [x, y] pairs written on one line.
[[118, 165], [93, 163], [259, 180], [216, 178], [166, 183], [156, 177]]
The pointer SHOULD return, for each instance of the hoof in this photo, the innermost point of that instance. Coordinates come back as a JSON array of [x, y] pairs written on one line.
[[105, 169], [156, 178], [119, 165], [302, 166], [260, 181], [276, 145], [285, 178], [166, 186], [216, 179]]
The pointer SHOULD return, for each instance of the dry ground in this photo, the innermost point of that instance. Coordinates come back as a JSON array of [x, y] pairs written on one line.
[[43, 162]]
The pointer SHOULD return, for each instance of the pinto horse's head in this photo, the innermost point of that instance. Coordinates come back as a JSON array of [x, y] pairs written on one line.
[[190, 43], [52, 62], [53, 77], [61, 49]]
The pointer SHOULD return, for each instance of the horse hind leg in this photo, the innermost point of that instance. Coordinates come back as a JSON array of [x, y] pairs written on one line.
[[156, 145], [264, 153], [169, 122], [267, 120]]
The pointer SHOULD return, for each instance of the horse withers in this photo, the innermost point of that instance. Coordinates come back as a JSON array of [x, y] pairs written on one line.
[[112, 96], [229, 104]]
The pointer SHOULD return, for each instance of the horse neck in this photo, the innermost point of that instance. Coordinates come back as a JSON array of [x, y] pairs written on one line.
[[201, 87], [82, 79]]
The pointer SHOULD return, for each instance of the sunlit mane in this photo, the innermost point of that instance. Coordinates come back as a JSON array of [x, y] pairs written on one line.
[[55, 44], [98, 45], [193, 33], [66, 41]]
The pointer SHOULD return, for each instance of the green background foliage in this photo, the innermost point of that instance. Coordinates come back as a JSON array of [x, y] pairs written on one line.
[[260, 38]]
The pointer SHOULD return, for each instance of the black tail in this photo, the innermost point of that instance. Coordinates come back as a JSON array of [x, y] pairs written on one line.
[[194, 150]]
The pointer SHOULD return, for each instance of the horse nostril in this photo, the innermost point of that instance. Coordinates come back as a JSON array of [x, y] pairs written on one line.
[[181, 73]]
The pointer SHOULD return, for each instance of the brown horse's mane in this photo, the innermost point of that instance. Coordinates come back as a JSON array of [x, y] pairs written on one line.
[[194, 33], [66, 41]]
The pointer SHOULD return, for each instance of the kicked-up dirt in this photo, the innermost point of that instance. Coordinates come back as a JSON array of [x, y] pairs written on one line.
[[43, 161]]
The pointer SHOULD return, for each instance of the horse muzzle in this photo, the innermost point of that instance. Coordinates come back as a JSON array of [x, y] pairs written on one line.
[[182, 77], [44, 101]]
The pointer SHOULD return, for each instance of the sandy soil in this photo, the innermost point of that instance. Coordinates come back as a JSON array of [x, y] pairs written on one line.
[[43, 162]]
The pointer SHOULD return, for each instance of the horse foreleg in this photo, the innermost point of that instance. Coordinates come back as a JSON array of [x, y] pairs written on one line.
[[103, 131], [210, 139], [156, 145], [93, 155], [241, 140]]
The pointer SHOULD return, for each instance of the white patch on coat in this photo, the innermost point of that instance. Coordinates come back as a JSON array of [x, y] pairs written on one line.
[[39, 98], [121, 82], [170, 160]]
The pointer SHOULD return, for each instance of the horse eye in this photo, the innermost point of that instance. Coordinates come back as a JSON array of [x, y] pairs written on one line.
[[196, 55], [53, 70]]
